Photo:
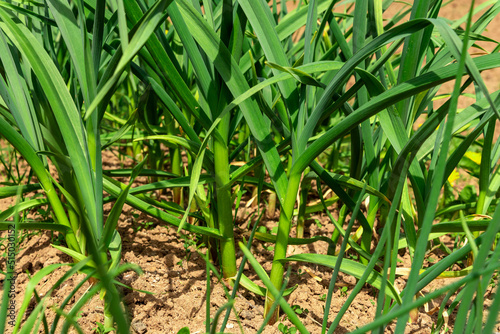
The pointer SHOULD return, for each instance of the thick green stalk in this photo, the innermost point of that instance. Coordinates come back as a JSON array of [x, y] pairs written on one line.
[[221, 161], [108, 316], [223, 200], [284, 225]]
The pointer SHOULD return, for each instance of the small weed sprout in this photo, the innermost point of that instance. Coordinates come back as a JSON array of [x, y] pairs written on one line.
[[300, 310], [100, 329], [144, 226], [286, 330]]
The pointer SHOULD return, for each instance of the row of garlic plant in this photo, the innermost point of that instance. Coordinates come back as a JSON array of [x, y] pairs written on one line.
[[240, 67]]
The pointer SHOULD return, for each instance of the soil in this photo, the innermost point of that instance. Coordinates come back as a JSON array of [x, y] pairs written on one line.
[[174, 272]]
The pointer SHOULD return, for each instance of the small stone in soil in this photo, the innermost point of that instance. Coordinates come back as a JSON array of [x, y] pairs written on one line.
[[139, 327], [245, 314]]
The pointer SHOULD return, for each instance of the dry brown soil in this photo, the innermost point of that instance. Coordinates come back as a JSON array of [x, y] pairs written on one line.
[[175, 273]]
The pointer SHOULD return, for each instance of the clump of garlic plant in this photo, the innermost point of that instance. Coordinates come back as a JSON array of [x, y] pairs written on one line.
[[261, 98], [50, 74]]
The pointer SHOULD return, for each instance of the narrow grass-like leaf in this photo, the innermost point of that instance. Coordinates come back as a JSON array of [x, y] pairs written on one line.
[[230, 72], [68, 26], [349, 267], [17, 96], [10, 191], [62, 105], [116, 210], [31, 287], [406, 308], [43, 176], [299, 75], [382, 101], [437, 178], [22, 206], [155, 212], [267, 282], [143, 31], [5, 225]]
